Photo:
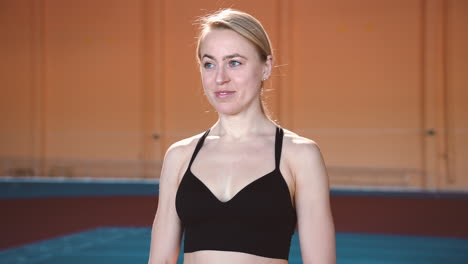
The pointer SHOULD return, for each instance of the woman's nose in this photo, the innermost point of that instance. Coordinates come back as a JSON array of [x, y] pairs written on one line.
[[221, 76]]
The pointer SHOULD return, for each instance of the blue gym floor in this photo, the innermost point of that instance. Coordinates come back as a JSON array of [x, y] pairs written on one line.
[[131, 245]]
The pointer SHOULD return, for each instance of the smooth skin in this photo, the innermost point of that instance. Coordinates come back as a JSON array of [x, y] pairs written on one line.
[[239, 150]]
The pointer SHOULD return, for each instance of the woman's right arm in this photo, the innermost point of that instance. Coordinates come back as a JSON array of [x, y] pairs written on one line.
[[167, 231]]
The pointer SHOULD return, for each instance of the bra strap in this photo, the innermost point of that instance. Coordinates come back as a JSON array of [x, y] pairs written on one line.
[[198, 147], [278, 145]]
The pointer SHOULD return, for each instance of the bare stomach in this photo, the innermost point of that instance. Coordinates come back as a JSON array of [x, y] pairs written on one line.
[[227, 257]]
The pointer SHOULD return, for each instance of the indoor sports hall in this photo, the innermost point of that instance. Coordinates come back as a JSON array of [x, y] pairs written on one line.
[[94, 92]]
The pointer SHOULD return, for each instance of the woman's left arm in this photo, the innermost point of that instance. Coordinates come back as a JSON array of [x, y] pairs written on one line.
[[312, 200]]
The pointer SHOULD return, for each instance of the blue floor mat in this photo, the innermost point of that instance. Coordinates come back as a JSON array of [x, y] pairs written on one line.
[[131, 245]]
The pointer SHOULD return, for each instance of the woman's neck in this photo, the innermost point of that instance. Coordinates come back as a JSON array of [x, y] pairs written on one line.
[[242, 126]]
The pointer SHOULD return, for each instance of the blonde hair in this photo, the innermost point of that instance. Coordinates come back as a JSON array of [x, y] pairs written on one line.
[[242, 23]]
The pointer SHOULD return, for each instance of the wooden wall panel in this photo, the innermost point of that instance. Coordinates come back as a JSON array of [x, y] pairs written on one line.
[[457, 89], [152, 96], [16, 86], [433, 94], [356, 69], [94, 80]]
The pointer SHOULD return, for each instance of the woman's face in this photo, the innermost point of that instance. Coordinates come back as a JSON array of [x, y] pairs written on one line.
[[231, 71]]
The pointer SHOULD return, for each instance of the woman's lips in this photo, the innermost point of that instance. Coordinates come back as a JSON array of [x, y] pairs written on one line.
[[224, 94]]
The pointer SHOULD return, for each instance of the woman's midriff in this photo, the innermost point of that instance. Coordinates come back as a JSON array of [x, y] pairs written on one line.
[[227, 257]]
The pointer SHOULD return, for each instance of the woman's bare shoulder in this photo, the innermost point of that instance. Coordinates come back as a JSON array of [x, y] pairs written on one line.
[[183, 147], [301, 153], [178, 155], [304, 158], [297, 144]]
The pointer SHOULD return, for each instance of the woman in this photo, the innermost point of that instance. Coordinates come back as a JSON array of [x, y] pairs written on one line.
[[239, 189]]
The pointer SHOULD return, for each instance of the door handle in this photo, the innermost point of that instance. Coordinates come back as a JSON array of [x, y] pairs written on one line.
[[430, 132], [155, 136]]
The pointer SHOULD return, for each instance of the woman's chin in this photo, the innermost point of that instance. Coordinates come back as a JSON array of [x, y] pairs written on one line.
[[225, 110]]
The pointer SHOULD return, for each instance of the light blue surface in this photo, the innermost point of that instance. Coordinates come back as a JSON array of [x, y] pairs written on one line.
[[131, 245]]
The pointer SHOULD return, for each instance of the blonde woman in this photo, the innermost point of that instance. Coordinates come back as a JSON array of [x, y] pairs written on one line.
[[239, 190]]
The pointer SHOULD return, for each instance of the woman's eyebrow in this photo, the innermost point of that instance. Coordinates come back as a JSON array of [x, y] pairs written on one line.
[[235, 55], [227, 57], [208, 56]]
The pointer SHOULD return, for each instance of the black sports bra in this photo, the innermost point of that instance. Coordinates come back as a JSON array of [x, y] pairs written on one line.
[[260, 219]]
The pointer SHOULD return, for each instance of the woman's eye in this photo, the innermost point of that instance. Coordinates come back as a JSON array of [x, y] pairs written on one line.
[[234, 63], [208, 65]]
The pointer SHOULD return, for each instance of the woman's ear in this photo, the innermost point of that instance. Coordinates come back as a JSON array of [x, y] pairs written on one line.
[[268, 67]]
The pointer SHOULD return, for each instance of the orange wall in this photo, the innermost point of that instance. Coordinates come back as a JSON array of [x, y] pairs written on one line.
[[87, 84], [456, 83], [16, 82]]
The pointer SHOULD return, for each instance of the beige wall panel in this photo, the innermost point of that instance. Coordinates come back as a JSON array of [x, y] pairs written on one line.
[[93, 79], [345, 151], [457, 88], [356, 70], [187, 112], [16, 88], [152, 94], [15, 79]]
